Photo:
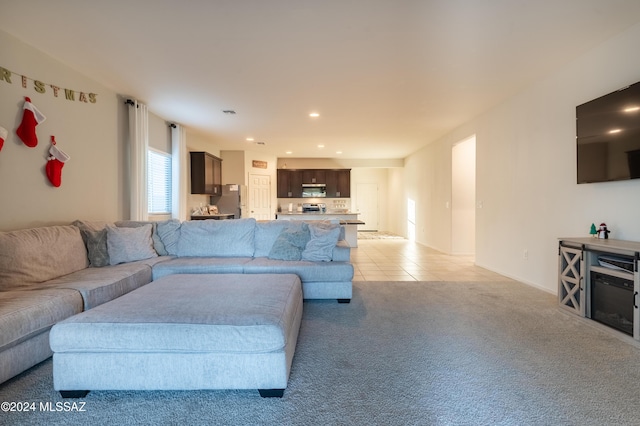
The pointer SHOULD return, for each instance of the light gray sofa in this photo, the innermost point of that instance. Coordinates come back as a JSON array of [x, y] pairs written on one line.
[[45, 278], [245, 246], [51, 273]]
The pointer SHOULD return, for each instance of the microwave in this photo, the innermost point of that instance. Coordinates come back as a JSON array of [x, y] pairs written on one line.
[[314, 190]]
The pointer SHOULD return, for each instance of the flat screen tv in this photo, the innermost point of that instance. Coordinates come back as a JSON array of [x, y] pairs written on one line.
[[608, 137]]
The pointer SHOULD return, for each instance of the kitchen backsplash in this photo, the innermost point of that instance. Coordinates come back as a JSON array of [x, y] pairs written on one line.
[[331, 203]]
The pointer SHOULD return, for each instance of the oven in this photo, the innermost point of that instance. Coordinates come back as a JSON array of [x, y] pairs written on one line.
[[612, 301]]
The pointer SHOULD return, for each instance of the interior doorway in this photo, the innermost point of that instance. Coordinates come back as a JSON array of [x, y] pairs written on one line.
[[463, 197], [367, 206]]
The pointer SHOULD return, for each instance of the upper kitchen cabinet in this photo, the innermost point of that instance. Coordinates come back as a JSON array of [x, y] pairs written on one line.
[[289, 183], [206, 173], [338, 183], [314, 176]]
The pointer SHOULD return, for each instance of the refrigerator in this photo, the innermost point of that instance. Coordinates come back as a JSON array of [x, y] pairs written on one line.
[[232, 200]]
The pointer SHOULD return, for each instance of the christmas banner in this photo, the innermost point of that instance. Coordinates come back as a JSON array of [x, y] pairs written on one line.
[[39, 86]]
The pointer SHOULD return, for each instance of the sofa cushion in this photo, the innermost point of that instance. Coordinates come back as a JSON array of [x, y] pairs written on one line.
[[290, 243], [200, 265], [39, 254], [100, 285], [324, 237], [129, 244], [169, 233], [217, 238], [189, 313], [306, 270], [26, 313]]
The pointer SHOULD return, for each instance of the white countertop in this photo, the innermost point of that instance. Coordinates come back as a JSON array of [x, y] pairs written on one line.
[[287, 213]]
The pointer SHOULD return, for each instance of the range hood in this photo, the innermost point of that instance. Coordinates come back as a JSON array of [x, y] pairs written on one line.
[[314, 190]]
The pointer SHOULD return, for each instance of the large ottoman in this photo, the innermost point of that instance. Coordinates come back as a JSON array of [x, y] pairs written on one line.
[[184, 332]]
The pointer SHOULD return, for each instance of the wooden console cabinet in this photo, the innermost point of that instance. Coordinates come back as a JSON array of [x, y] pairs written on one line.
[[578, 258]]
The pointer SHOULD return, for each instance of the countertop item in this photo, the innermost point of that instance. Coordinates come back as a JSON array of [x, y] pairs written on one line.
[[329, 213], [220, 216]]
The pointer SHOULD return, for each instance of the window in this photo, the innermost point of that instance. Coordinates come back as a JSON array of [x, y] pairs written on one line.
[[159, 182]]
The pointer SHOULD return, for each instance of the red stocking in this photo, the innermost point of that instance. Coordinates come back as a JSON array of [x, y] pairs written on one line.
[[3, 136], [31, 117], [55, 163]]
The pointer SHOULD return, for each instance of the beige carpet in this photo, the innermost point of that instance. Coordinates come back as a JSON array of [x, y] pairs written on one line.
[[403, 353]]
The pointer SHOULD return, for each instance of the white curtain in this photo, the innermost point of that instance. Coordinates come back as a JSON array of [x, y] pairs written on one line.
[[138, 147], [179, 169]]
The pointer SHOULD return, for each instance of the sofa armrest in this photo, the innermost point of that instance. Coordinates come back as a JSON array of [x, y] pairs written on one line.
[[341, 252]]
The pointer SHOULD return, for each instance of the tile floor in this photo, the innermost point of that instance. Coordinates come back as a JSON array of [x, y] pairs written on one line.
[[403, 260]]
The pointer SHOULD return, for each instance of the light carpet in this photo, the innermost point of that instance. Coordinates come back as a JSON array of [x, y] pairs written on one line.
[[403, 353]]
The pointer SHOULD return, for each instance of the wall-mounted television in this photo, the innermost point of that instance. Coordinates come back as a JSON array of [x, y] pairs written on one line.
[[608, 137]]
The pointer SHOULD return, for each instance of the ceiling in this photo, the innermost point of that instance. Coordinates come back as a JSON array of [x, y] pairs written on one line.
[[386, 76]]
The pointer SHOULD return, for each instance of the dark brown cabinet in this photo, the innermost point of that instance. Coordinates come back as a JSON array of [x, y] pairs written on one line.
[[338, 183], [289, 183], [206, 173], [314, 176]]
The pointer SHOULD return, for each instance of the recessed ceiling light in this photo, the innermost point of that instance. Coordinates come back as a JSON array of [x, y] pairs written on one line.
[[320, 146], [614, 131], [289, 152], [338, 152], [314, 115], [250, 139], [632, 109]]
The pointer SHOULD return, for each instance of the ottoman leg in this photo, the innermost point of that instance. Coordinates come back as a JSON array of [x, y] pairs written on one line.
[[271, 393], [74, 394], [344, 300]]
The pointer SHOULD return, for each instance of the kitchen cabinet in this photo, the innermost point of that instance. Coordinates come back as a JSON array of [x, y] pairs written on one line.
[[206, 173], [289, 183], [344, 183], [314, 176], [338, 183]]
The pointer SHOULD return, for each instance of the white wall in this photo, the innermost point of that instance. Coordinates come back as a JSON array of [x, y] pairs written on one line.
[[526, 171], [463, 197], [93, 185]]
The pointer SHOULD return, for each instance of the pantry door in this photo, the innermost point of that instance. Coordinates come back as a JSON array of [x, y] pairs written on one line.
[[260, 197]]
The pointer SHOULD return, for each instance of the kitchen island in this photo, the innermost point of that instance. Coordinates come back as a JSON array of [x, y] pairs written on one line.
[[349, 220]]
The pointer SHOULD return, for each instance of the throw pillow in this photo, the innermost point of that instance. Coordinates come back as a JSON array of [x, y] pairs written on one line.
[[96, 243], [290, 243], [169, 234], [94, 235], [158, 245], [324, 237], [129, 244]]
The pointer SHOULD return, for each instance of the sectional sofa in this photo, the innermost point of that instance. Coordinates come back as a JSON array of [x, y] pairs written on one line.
[[51, 273]]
